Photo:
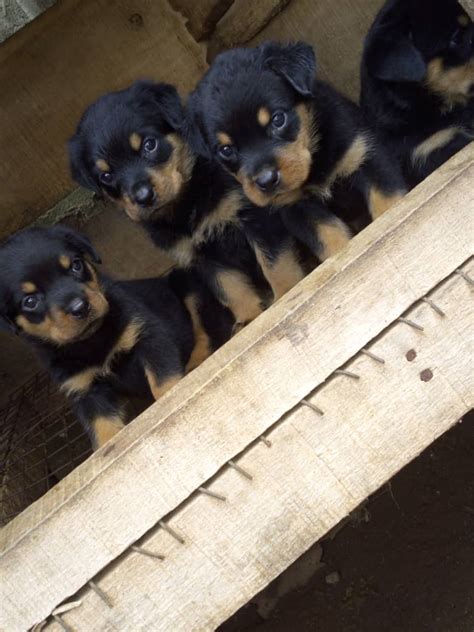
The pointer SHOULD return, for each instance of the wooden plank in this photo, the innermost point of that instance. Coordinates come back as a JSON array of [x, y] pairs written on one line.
[[335, 29], [215, 412], [55, 66], [317, 470]]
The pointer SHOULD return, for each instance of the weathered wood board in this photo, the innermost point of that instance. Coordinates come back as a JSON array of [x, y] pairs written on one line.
[[317, 470], [55, 66], [156, 463]]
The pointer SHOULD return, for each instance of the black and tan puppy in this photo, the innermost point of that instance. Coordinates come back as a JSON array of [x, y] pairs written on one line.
[[103, 341], [418, 81], [130, 147], [292, 142]]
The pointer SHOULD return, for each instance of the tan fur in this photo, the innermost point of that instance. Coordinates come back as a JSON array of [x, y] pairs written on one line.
[[239, 295], [293, 161], [183, 252], [65, 262], [28, 287], [81, 382], [224, 139], [157, 388], [263, 117], [333, 237], [224, 213], [202, 344], [463, 20], [102, 165], [352, 159], [379, 202], [434, 142], [135, 141], [134, 211], [127, 340], [104, 428], [169, 179], [453, 84], [283, 273]]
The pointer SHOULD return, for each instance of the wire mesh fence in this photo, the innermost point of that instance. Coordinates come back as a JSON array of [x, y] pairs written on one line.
[[40, 443]]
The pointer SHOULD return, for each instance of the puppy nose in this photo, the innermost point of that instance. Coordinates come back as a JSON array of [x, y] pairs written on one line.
[[78, 308], [143, 194], [268, 180]]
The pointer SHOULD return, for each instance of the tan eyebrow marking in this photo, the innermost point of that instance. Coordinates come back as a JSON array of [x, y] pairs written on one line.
[[135, 141], [65, 262], [28, 287], [263, 117], [102, 165], [224, 139]]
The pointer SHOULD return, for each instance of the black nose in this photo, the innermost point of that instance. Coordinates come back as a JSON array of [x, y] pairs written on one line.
[[143, 194], [268, 180], [78, 307]]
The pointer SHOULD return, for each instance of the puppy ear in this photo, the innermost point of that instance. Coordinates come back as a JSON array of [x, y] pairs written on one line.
[[195, 132], [294, 62], [167, 99], [396, 59], [80, 170], [78, 241]]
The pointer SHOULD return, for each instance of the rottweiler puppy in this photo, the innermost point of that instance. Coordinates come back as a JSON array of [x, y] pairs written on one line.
[[417, 80], [104, 341], [293, 142], [130, 147]]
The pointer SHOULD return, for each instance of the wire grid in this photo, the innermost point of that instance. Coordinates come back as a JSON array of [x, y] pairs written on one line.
[[41, 441]]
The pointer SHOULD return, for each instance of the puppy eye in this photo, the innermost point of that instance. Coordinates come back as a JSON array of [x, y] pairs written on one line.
[[30, 303], [106, 177], [150, 145], [77, 266], [226, 151], [279, 120]]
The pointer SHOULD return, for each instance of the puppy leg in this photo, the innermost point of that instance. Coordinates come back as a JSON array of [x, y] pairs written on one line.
[[282, 269], [159, 385], [237, 292], [317, 227], [384, 183], [202, 343], [100, 412]]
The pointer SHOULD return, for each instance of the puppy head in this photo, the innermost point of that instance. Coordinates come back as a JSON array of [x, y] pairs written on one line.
[[49, 289], [425, 42], [128, 146], [251, 113]]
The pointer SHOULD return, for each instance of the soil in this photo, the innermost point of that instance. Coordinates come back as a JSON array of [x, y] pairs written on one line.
[[404, 562]]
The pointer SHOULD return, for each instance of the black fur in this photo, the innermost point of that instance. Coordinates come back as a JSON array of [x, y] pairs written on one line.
[[405, 38], [166, 332]]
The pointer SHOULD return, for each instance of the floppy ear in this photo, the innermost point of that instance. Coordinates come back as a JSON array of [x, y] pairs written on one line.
[[167, 99], [80, 170], [396, 59], [294, 62], [194, 130], [78, 241]]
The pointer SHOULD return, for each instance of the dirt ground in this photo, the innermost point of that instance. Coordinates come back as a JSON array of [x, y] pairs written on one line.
[[404, 562]]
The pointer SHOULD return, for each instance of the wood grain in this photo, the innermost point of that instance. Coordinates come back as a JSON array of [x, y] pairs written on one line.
[[157, 462], [55, 66], [317, 470]]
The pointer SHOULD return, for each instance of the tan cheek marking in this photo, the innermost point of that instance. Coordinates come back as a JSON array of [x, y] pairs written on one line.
[[40, 330], [133, 210], [202, 344], [463, 20], [436, 141], [263, 117], [169, 179], [159, 387], [104, 428], [102, 165], [226, 212], [224, 139], [333, 237], [135, 141], [282, 273], [81, 382], [65, 262], [379, 202], [28, 287], [239, 295], [452, 85]]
